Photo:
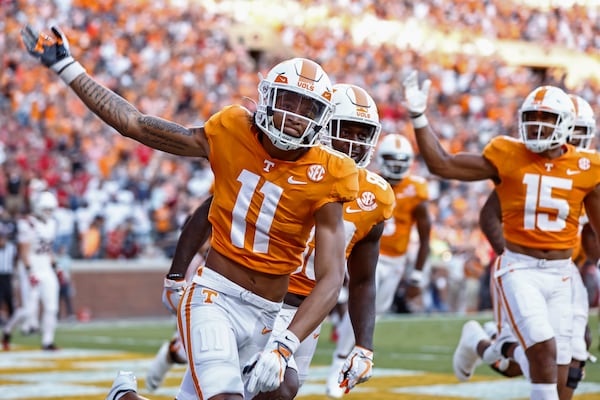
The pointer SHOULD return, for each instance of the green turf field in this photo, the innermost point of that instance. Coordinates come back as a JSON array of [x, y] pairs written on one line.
[[404, 345]]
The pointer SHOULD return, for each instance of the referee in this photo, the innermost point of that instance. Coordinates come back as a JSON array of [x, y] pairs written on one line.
[[8, 261]]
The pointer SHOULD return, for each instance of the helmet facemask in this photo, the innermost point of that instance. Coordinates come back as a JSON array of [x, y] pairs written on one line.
[[353, 137], [395, 166], [582, 135], [354, 128], [395, 157], [292, 107], [535, 130], [546, 119]]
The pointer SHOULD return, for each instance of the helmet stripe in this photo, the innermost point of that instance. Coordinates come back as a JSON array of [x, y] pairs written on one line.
[[360, 97], [308, 71], [539, 96]]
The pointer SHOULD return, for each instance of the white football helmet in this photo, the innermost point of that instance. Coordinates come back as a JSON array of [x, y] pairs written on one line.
[[44, 204], [394, 157], [297, 91], [549, 100], [585, 123], [353, 107]]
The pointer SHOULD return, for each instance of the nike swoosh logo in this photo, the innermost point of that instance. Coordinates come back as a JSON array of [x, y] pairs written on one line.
[[265, 330], [351, 210], [293, 181], [565, 278], [573, 172], [316, 335]]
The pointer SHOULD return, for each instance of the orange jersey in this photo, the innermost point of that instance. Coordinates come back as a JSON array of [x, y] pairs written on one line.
[[542, 199], [579, 257], [262, 209], [373, 205], [410, 192]]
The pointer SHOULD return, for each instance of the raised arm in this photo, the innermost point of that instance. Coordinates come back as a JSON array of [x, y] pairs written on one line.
[[461, 166], [490, 222], [114, 110]]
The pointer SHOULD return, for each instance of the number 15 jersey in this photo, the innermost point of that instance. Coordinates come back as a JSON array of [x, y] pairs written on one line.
[[542, 198]]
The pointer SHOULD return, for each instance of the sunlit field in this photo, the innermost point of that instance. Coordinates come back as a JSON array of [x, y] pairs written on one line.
[[413, 360]]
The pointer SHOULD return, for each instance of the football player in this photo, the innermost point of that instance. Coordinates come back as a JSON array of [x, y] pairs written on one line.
[[273, 183], [542, 184], [475, 345], [353, 130], [394, 157], [36, 236]]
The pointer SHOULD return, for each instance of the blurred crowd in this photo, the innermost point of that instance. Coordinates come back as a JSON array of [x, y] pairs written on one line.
[[119, 199]]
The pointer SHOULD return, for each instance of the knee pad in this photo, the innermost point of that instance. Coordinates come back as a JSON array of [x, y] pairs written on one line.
[[575, 376]]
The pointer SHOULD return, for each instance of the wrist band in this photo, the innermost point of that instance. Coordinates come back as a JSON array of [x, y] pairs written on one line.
[[70, 72], [419, 121], [68, 69], [415, 278], [175, 276]]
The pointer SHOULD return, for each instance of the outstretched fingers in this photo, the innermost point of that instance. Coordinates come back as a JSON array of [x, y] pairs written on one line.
[[60, 37], [30, 37]]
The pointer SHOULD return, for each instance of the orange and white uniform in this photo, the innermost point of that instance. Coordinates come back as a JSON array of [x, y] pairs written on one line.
[[541, 202], [261, 216], [409, 193], [373, 205], [266, 226]]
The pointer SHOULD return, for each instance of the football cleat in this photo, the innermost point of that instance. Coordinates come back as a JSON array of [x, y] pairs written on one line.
[[465, 357], [123, 383], [333, 389], [159, 368], [49, 347]]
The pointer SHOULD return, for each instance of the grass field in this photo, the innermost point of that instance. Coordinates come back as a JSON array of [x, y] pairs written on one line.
[[413, 357]]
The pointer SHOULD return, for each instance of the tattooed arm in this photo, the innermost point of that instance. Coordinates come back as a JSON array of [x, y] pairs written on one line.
[[117, 112], [154, 132], [490, 222]]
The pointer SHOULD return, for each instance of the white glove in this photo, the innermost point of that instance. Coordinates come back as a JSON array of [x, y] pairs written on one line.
[[172, 292], [266, 369], [124, 383], [416, 99], [358, 368], [415, 278]]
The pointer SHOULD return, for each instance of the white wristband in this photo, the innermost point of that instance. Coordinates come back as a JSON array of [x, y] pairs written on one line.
[[416, 278], [68, 69], [420, 121], [289, 339]]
